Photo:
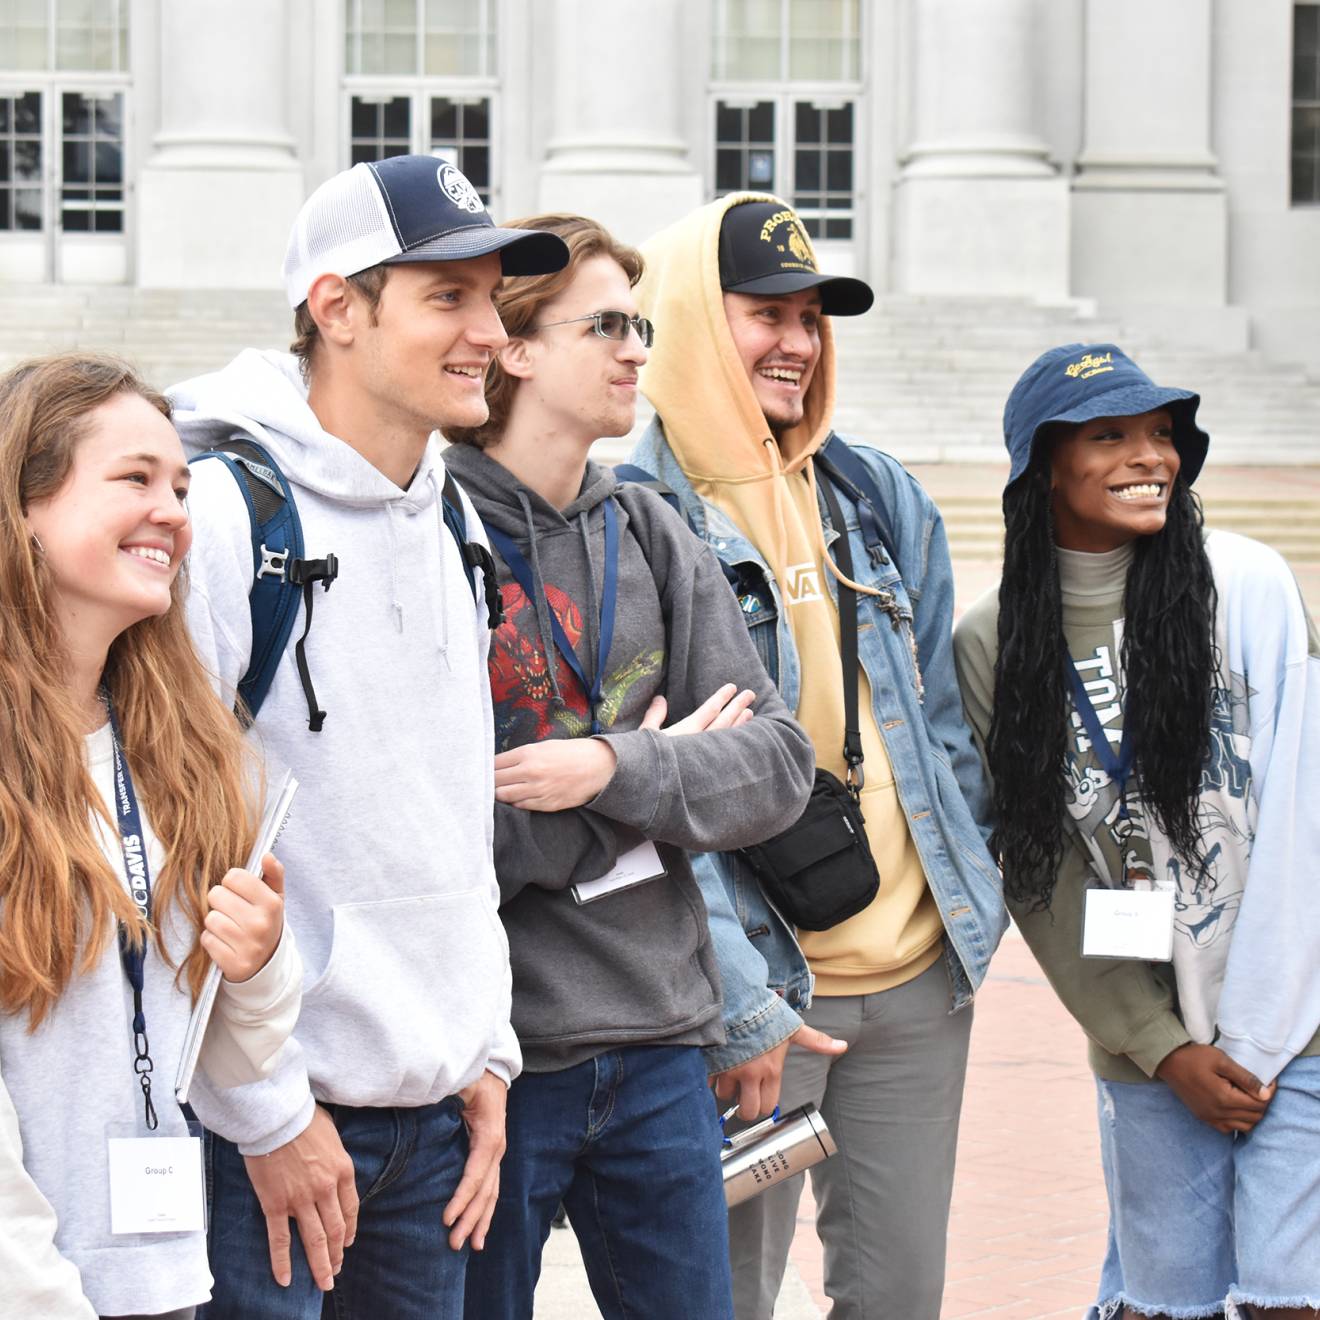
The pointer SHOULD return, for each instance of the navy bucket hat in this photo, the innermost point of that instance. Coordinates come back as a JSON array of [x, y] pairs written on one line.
[[1078, 382]]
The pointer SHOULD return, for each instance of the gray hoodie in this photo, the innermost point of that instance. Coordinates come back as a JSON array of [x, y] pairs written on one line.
[[636, 966]]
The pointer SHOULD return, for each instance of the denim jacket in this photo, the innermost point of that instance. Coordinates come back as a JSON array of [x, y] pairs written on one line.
[[936, 768]]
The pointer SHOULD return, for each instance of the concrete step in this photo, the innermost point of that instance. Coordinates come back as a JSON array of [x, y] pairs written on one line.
[[925, 378]]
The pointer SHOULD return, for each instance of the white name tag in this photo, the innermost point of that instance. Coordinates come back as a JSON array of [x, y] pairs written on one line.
[[1128, 923], [156, 1185], [635, 867]]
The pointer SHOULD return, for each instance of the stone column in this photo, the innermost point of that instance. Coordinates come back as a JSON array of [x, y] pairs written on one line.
[[617, 152], [218, 194], [979, 207], [1150, 219]]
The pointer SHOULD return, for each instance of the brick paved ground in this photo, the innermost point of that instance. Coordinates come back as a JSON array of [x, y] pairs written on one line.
[[1027, 1231]]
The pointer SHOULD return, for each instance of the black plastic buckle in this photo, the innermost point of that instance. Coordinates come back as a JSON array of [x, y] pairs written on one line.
[[304, 572]]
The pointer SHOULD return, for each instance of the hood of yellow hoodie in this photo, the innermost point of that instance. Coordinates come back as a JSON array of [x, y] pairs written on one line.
[[695, 378]]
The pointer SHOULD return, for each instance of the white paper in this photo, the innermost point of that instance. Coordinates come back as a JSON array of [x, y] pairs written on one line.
[[635, 867], [156, 1185], [1128, 923], [277, 812]]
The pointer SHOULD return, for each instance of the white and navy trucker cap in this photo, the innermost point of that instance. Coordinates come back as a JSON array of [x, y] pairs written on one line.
[[406, 208]]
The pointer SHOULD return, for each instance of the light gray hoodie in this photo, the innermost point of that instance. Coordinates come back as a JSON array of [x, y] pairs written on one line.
[[390, 888]]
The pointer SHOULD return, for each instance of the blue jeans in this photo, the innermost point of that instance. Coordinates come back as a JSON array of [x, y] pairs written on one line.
[[1197, 1216], [629, 1142], [408, 1163]]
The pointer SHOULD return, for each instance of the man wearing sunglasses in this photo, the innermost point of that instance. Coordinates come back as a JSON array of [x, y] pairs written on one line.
[[616, 619], [844, 575]]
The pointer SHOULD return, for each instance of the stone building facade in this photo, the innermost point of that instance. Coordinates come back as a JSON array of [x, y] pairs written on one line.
[[1161, 159]]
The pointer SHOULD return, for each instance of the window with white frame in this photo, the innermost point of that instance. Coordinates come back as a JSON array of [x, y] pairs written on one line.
[[785, 87], [21, 157], [82, 36], [1306, 105], [63, 93], [420, 76]]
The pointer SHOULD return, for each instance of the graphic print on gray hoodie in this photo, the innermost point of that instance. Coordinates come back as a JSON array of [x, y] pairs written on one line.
[[636, 966]]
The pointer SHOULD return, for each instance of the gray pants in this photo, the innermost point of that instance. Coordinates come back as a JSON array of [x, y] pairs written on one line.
[[892, 1104]]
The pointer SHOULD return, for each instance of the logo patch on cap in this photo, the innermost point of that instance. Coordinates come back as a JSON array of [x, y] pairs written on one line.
[[458, 189], [795, 243], [1091, 364]]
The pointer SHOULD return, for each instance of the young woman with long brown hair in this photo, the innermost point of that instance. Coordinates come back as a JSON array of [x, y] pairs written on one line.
[[125, 800]]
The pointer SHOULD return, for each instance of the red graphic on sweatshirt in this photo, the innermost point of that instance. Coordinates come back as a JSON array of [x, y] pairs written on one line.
[[520, 679]]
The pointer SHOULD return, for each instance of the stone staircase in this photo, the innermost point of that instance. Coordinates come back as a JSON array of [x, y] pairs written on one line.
[[922, 378], [167, 334], [927, 379], [1280, 506]]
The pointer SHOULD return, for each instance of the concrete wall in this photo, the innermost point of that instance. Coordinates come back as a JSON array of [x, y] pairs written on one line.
[[1134, 154]]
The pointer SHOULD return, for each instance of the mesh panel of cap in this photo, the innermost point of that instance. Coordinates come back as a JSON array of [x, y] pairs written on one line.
[[343, 228]]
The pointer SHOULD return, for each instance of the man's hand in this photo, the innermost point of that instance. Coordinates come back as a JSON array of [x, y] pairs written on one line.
[[555, 775], [469, 1212], [1217, 1090], [309, 1179], [726, 708], [756, 1082]]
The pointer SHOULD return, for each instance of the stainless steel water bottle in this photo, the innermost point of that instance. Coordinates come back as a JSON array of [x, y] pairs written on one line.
[[772, 1150]]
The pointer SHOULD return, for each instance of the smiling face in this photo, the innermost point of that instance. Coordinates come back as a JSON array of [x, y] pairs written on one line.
[[577, 382], [114, 534], [426, 350], [778, 343], [1110, 480]]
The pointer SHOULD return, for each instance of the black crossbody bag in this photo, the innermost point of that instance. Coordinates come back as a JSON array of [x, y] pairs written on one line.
[[820, 870]]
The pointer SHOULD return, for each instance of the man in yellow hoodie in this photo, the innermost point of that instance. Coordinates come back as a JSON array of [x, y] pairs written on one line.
[[742, 379]]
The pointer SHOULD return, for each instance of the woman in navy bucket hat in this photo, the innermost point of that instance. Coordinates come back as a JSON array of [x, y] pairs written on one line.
[[1146, 695]]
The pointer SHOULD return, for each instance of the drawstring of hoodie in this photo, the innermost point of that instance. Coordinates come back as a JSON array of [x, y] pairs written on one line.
[[885, 599], [442, 622], [540, 603], [396, 606]]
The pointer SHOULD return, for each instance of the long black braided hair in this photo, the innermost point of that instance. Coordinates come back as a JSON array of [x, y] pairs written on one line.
[[1169, 663]]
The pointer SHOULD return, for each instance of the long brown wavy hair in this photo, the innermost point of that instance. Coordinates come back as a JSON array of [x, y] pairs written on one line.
[[59, 896]]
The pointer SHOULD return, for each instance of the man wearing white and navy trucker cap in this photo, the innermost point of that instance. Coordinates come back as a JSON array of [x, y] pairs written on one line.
[[381, 1127]]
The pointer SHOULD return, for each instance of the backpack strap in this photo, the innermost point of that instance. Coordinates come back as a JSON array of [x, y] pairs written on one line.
[[639, 476], [473, 554], [848, 472], [280, 574]]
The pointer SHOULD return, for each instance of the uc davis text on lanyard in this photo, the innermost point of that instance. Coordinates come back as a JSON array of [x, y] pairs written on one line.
[[522, 575], [138, 874], [1118, 768]]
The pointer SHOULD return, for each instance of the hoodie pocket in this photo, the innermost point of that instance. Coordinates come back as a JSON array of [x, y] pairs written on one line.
[[410, 1000]]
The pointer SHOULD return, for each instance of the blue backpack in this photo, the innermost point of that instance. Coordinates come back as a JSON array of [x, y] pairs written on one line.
[[281, 575]]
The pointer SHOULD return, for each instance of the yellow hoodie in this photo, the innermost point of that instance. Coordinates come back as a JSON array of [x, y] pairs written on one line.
[[720, 438]]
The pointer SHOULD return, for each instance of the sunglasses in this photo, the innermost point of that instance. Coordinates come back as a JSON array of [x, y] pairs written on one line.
[[609, 325]]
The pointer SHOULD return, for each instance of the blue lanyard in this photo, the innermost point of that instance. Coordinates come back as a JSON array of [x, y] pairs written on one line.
[[522, 575], [133, 955], [1118, 768]]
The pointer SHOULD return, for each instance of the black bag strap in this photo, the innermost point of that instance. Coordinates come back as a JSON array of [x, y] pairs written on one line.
[[855, 777]]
